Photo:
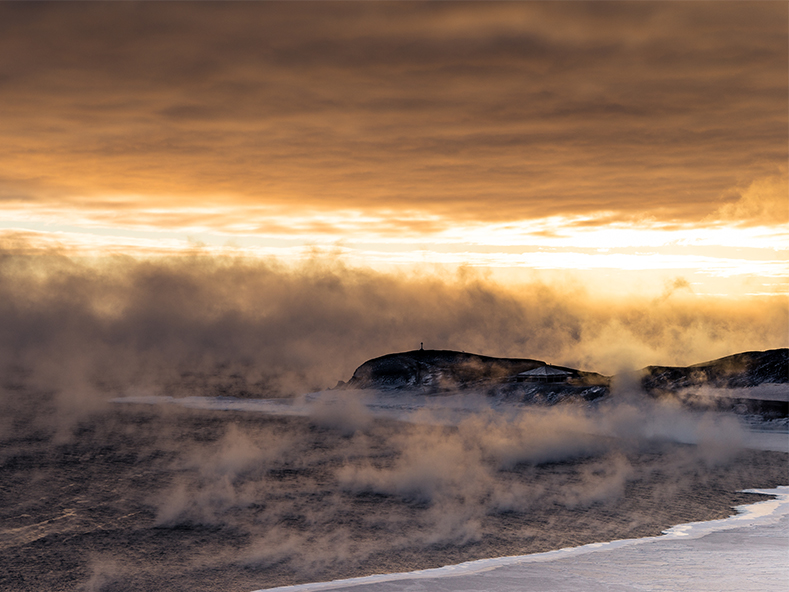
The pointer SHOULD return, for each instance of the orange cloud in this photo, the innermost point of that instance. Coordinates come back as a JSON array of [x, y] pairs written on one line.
[[764, 202], [467, 112]]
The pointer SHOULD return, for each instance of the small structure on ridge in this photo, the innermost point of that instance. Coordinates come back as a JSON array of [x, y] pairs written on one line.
[[544, 374]]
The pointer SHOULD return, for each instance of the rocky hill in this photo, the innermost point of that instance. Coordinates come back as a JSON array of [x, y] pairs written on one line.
[[748, 382], [754, 382], [443, 370], [744, 370]]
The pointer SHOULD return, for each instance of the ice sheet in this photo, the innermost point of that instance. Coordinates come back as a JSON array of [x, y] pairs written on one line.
[[748, 551]]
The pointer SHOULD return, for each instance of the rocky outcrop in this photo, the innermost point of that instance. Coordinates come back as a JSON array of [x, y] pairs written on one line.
[[749, 382], [755, 382], [444, 370], [747, 369]]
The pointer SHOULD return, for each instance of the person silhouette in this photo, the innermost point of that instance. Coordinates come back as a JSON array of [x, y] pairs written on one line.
[[421, 346]]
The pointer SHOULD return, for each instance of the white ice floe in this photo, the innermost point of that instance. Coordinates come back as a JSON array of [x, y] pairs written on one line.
[[748, 551]]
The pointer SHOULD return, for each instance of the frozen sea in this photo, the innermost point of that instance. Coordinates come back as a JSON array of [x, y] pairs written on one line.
[[748, 551]]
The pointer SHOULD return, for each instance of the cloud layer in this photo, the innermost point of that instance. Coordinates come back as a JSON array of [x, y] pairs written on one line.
[[481, 112]]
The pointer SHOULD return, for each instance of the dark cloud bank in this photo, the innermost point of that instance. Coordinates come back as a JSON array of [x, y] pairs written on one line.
[[101, 496], [536, 108]]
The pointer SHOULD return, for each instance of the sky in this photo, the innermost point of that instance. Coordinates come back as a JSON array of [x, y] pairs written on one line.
[[617, 154], [252, 199]]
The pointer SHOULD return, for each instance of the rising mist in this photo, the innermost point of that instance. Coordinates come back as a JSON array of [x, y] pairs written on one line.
[[160, 496]]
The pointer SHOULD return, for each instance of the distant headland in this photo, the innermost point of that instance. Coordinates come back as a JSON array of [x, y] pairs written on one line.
[[750, 382]]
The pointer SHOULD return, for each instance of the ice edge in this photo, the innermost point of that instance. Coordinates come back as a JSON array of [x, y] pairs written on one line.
[[758, 513]]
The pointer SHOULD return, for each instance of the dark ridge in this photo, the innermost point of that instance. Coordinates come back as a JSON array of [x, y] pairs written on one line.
[[745, 370], [443, 370]]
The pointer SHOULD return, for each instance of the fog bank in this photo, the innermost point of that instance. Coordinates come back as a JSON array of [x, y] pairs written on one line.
[[242, 326]]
